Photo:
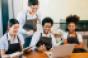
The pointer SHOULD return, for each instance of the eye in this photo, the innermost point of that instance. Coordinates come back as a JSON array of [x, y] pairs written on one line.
[[16, 27]]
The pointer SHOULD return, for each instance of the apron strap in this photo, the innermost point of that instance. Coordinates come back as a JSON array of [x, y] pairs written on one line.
[[18, 41], [26, 16], [69, 35], [76, 39], [9, 40]]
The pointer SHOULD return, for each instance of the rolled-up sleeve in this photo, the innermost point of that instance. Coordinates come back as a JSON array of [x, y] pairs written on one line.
[[35, 39], [53, 41], [21, 39], [80, 38], [2, 44], [21, 18], [64, 36]]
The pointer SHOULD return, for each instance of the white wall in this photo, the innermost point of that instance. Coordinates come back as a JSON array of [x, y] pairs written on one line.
[[61, 8], [15, 6], [57, 9], [79, 7], [10, 7]]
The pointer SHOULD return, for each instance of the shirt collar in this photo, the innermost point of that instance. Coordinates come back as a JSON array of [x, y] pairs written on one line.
[[31, 17], [48, 35], [10, 38]]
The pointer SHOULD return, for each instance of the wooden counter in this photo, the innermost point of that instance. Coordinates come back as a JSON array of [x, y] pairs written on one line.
[[43, 55]]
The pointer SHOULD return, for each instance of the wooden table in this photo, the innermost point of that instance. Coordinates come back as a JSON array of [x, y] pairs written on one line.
[[43, 55], [36, 55], [79, 55]]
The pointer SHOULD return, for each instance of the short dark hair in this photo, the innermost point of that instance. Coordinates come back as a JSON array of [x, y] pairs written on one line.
[[72, 18], [47, 20], [12, 21], [32, 2]]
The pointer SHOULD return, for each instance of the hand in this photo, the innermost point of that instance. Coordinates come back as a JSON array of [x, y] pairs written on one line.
[[42, 48], [15, 55], [5, 56], [79, 45], [28, 50]]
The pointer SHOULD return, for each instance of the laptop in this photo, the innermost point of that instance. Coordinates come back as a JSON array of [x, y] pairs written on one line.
[[62, 51]]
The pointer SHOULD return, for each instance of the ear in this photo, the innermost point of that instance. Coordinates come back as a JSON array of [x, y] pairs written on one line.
[[8, 27]]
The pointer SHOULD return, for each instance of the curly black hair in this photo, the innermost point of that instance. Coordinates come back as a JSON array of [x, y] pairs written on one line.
[[33, 2], [47, 20], [72, 18]]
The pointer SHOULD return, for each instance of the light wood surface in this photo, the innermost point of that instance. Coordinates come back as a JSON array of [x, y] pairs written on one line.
[[43, 55], [79, 55], [36, 55]]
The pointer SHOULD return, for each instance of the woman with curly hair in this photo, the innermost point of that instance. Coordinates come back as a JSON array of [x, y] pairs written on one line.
[[72, 36]]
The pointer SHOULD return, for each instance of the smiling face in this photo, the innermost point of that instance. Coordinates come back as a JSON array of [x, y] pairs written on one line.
[[33, 8], [71, 27], [14, 29], [47, 28]]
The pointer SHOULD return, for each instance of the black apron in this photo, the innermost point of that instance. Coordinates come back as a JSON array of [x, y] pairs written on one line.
[[74, 40], [45, 40], [32, 22], [27, 41], [12, 48]]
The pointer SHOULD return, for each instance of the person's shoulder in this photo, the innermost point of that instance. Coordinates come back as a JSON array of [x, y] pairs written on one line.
[[79, 34], [38, 12], [20, 36], [23, 12], [64, 35], [40, 15], [3, 38], [80, 37], [53, 37]]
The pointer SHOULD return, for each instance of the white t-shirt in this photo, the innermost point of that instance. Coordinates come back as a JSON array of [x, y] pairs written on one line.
[[4, 41], [79, 36], [36, 38]]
